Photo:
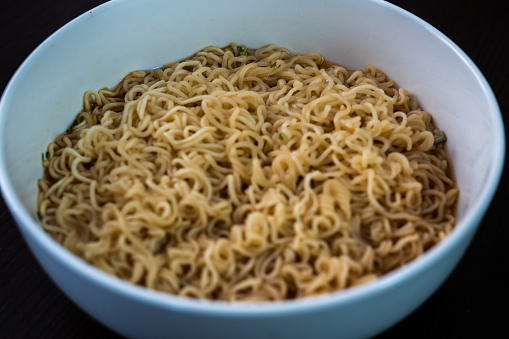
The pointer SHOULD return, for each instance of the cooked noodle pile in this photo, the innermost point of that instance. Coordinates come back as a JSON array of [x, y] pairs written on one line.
[[248, 175]]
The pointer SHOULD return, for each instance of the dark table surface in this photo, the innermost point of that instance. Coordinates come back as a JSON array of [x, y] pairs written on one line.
[[466, 305]]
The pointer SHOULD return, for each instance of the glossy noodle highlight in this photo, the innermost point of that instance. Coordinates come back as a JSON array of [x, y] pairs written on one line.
[[249, 175]]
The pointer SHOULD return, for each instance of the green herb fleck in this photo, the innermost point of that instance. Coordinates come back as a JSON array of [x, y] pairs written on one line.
[[74, 123], [375, 263], [39, 215], [439, 137], [45, 156], [280, 136], [274, 64], [241, 50]]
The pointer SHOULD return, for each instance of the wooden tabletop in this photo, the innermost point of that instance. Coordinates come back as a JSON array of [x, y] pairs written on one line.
[[466, 304]]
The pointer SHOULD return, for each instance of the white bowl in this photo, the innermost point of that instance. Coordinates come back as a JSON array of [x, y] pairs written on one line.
[[101, 46]]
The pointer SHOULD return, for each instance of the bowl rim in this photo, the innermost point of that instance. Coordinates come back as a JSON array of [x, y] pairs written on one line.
[[466, 227]]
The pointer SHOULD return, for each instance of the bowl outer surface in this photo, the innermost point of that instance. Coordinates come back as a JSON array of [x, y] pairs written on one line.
[[101, 46]]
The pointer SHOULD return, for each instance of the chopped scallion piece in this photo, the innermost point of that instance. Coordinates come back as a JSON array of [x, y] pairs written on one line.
[[74, 123], [274, 64], [39, 215], [242, 50], [439, 137], [280, 136]]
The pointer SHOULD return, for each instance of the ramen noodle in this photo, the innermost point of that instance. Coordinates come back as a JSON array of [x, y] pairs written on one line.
[[249, 175]]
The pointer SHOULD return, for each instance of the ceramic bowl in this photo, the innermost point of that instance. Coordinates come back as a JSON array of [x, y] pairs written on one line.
[[98, 48]]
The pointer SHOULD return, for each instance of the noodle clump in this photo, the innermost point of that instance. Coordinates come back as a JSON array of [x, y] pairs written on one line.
[[249, 175]]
